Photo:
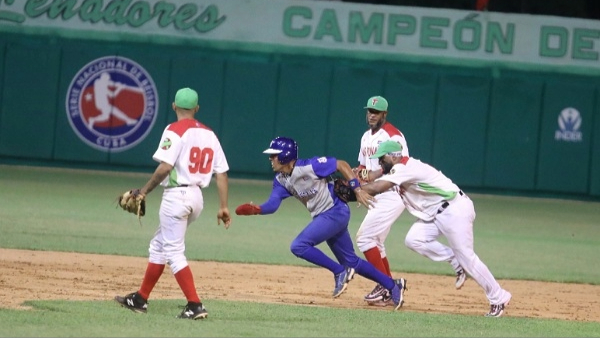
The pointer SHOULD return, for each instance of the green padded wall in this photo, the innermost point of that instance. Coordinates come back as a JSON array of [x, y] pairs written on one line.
[[249, 102], [460, 127], [303, 105], [595, 150], [3, 53], [205, 74], [351, 88], [28, 109], [412, 104], [513, 133], [484, 128], [564, 165]]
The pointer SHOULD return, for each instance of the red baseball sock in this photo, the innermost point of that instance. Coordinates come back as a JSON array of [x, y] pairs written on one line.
[[185, 279], [387, 266], [153, 273], [374, 257]]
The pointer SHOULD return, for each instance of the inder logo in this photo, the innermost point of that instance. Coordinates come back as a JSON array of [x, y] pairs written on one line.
[[569, 122], [111, 103]]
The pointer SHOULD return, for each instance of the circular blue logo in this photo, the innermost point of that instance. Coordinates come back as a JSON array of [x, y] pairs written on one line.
[[111, 103]]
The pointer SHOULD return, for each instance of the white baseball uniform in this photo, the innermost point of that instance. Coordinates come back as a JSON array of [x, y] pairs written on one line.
[[376, 225], [442, 209], [195, 153]]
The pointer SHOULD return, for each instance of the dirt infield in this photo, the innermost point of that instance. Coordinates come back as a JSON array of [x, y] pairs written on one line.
[[40, 275]]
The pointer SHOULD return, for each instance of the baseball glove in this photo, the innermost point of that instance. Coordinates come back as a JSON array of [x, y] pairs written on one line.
[[362, 174], [343, 191], [134, 202], [248, 209]]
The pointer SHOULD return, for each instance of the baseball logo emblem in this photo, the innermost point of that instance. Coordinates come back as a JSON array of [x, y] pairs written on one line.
[[111, 103]]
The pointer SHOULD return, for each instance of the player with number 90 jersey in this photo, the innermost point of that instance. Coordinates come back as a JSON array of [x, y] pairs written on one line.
[[194, 151], [189, 154]]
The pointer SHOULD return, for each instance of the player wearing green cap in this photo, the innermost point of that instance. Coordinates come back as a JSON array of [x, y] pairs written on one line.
[[189, 154], [442, 209], [375, 227]]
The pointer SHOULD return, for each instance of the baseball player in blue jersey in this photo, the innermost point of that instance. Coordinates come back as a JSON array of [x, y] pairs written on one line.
[[308, 180], [441, 208]]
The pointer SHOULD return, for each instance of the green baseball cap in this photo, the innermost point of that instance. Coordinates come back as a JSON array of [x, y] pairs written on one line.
[[186, 98], [377, 103], [388, 147]]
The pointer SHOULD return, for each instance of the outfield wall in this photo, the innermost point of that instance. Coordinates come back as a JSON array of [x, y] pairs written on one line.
[[486, 124]]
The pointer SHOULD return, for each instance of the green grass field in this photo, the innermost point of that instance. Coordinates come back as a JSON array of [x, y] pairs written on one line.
[[74, 211]]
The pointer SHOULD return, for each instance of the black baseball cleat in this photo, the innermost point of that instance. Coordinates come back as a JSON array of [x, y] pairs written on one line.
[[378, 293], [193, 311], [497, 310], [461, 277], [133, 302]]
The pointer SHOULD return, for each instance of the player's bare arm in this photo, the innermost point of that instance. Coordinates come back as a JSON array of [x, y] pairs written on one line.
[[223, 189], [161, 172], [365, 175], [374, 174], [377, 187]]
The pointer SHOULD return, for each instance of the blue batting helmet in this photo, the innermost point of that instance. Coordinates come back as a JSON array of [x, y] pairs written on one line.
[[285, 148]]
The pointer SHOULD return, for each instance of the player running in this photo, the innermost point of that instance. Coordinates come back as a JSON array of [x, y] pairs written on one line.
[[308, 181], [376, 225], [441, 208]]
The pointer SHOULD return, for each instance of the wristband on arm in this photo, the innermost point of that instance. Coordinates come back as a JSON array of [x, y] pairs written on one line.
[[354, 183]]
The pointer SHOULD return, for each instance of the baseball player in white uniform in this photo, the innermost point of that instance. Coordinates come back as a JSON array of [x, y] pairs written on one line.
[[189, 154], [441, 208], [376, 225]]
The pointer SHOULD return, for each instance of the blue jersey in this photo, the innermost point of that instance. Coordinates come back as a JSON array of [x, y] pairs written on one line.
[[309, 182]]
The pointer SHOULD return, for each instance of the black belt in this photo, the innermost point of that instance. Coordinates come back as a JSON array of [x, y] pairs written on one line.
[[185, 186], [446, 203]]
